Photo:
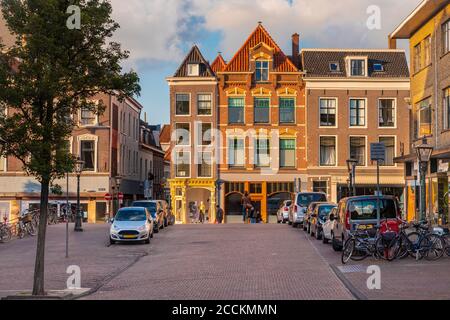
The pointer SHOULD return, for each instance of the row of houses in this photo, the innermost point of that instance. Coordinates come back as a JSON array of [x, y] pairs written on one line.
[[272, 123]]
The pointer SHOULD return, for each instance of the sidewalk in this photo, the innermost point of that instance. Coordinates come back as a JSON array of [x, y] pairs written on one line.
[[89, 250]]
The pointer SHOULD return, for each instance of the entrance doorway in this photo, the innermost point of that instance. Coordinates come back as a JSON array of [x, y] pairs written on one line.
[[198, 205]]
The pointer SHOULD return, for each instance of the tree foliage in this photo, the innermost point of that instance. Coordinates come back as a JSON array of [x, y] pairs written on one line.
[[46, 77]]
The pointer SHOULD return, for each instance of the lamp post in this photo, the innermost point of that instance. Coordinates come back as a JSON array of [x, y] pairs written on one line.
[[351, 167], [118, 182], [78, 170], [423, 151]]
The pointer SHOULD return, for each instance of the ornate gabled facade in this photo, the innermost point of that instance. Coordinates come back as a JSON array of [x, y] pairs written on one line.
[[262, 122], [193, 115]]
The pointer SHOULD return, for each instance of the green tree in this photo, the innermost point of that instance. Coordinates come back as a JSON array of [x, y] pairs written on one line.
[[46, 77]]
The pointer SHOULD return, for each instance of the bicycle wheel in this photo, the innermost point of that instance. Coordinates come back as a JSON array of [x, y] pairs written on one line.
[[403, 246], [413, 245], [30, 229], [347, 251], [433, 246], [20, 232], [446, 240], [387, 251]]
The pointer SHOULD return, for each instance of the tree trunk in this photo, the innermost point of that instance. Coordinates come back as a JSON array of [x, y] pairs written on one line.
[[38, 283]]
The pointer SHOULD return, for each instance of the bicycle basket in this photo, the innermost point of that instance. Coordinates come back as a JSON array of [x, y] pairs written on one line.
[[27, 218]]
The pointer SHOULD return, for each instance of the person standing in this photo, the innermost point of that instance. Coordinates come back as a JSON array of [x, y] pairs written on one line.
[[247, 207], [202, 212], [219, 214]]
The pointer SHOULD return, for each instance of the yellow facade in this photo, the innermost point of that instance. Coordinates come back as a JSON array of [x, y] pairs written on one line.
[[179, 189]]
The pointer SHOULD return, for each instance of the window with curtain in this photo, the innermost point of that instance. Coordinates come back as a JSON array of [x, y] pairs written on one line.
[[182, 104], [262, 71], [204, 104], [389, 143], [262, 110], [182, 164], [327, 151], [287, 153], [205, 133], [446, 106], [357, 112], [446, 37], [327, 112], [205, 166], [386, 112], [236, 110], [87, 153], [183, 134], [287, 110], [358, 150], [262, 152], [358, 67], [236, 156], [424, 115]]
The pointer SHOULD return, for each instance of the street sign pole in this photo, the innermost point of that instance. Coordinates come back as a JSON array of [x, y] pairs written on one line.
[[378, 194], [67, 215], [378, 153]]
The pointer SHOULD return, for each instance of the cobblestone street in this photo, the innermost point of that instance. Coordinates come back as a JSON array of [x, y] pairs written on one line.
[[223, 262]]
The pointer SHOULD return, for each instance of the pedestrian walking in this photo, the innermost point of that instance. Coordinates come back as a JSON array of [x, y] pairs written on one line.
[[219, 214], [247, 206]]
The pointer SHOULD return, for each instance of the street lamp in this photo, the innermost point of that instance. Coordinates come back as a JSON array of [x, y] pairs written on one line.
[[78, 170], [423, 152], [118, 182], [351, 167]]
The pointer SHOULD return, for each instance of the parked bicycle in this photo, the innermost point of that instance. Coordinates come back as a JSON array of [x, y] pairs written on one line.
[[25, 226], [361, 244], [421, 243], [5, 232]]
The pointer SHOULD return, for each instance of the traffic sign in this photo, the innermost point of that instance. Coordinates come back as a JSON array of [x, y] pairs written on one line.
[[108, 197], [120, 196], [377, 151]]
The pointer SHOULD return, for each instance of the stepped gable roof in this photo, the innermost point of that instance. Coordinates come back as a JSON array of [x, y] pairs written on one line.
[[241, 60], [195, 56]]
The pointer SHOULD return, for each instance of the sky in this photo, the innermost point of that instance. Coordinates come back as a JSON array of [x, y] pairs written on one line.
[[159, 33]]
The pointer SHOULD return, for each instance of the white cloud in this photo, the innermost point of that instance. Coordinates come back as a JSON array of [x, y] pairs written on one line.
[[158, 29]]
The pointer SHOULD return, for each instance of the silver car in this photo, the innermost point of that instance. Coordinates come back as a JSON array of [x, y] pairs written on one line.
[[283, 211], [131, 224]]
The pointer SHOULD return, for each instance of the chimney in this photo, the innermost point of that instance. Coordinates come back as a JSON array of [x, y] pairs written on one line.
[[295, 47]]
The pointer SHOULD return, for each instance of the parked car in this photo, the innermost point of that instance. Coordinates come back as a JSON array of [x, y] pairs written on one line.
[[355, 211], [308, 213], [156, 210], [327, 227], [283, 211], [300, 203], [318, 218], [130, 225]]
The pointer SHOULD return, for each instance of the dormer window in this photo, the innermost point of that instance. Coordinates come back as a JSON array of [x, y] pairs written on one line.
[[378, 67], [334, 67], [193, 69], [262, 71], [358, 67]]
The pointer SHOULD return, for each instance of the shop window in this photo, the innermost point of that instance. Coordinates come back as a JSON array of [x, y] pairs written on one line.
[[320, 186], [256, 188], [100, 211]]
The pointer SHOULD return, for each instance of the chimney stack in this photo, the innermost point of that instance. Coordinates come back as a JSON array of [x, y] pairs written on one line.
[[295, 47]]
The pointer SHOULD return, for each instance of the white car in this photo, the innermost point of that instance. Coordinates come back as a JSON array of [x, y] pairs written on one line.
[[328, 226], [283, 211], [133, 224], [300, 204]]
